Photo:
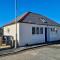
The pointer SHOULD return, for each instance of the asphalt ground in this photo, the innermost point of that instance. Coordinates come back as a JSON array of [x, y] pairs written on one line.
[[49, 52]]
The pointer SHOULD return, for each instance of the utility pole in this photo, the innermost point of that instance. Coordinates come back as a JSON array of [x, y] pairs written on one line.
[[16, 24]]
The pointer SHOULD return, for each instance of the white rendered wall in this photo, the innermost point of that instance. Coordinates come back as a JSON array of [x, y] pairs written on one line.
[[12, 31], [26, 36], [24, 33], [53, 35]]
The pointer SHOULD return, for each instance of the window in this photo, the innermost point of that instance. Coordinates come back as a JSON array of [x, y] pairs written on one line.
[[33, 30], [41, 30], [37, 30], [56, 31], [52, 29]]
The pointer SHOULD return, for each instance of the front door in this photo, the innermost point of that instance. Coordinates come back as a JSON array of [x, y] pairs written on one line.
[[46, 35]]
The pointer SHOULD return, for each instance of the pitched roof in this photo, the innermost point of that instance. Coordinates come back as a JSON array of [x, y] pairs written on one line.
[[34, 18]]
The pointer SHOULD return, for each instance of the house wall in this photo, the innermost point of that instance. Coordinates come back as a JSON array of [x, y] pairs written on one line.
[[53, 34], [26, 36], [12, 31]]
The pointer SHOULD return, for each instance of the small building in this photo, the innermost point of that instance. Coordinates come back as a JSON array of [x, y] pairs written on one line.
[[33, 28], [1, 32]]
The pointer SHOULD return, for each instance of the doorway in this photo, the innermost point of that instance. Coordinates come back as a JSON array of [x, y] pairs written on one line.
[[45, 35]]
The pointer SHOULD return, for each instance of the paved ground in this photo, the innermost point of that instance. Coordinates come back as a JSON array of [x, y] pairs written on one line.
[[4, 46], [8, 46], [51, 52]]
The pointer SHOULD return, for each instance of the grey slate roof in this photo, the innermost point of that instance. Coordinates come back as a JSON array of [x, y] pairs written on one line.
[[34, 18]]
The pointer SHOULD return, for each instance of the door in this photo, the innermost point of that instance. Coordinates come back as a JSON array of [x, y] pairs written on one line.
[[45, 35]]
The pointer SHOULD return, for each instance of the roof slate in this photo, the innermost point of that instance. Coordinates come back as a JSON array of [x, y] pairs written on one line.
[[34, 18]]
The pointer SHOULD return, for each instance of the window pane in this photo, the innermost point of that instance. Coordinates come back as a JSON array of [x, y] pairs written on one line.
[[33, 30], [53, 29], [41, 30], [37, 30]]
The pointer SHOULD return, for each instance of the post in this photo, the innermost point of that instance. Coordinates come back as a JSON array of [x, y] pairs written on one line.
[[16, 26]]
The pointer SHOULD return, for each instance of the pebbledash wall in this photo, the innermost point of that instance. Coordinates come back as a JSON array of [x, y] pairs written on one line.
[[12, 31], [25, 36]]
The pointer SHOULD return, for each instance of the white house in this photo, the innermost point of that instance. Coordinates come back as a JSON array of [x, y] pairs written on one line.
[[33, 28]]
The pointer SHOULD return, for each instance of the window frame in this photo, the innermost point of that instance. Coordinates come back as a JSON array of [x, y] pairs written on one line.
[[33, 30], [41, 30], [37, 30]]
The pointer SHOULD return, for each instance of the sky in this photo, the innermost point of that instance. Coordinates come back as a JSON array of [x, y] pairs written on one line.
[[49, 8]]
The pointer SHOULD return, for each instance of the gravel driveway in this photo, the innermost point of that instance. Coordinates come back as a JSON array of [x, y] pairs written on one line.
[[51, 52]]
